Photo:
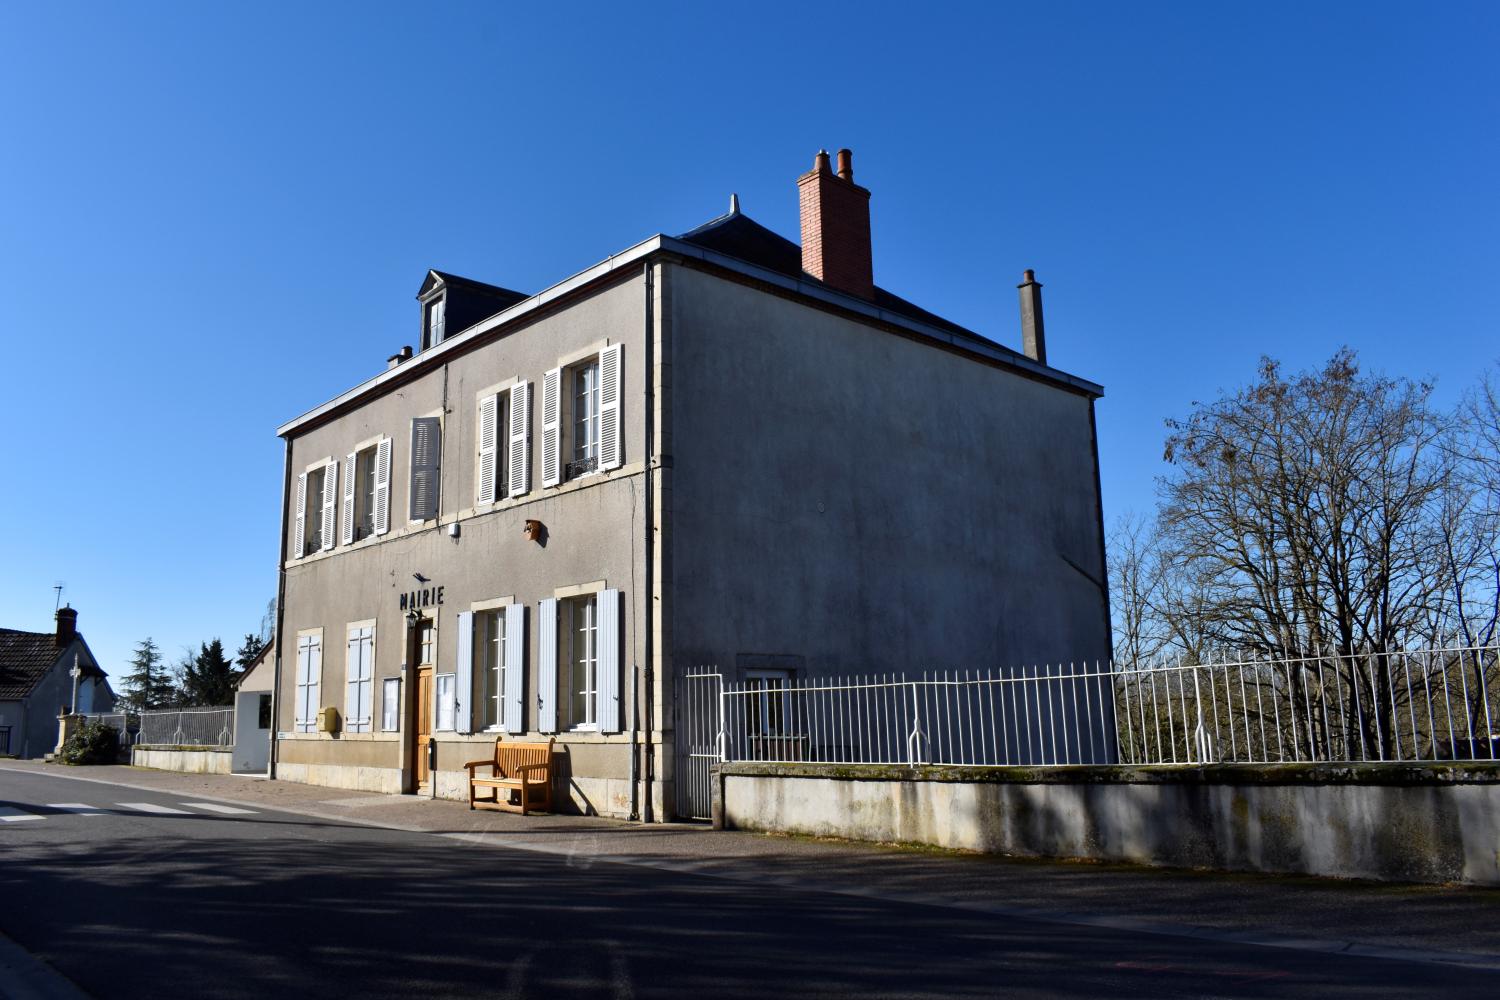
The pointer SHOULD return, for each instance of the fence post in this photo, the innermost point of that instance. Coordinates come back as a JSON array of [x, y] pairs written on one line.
[[914, 741], [722, 739]]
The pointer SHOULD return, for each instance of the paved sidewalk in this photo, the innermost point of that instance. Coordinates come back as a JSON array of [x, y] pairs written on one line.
[[1415, 922]]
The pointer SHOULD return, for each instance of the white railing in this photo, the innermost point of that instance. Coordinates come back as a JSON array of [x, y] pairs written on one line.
[[197, 727], [1425, 705], [126, 724]]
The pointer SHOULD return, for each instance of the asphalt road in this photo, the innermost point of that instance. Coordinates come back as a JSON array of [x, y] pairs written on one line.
[[132, 893]]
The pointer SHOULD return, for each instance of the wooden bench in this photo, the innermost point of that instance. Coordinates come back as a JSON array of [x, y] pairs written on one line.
[[522, 768]]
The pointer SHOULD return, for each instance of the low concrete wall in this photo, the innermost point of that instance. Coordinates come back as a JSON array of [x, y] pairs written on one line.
[[193, 760], [1437, 823]]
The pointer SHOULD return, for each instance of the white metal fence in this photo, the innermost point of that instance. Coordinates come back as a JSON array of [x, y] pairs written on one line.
[[126, 724], [1428, 705], [198, 727]]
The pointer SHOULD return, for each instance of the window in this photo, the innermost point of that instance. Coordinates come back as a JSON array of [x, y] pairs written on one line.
[[582, 658], [390, 704], [363, 494], [424, 641], [359, 675], [489, 661], [263, 713], [437, 322], [491, 477], [585, 430], [309, 675], [4, 739], [426, 450], [581, 418], [317, 498], [766, 710], [446, 699]]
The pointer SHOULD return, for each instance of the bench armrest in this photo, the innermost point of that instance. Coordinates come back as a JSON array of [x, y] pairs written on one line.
[[524, 768], [480, 763]]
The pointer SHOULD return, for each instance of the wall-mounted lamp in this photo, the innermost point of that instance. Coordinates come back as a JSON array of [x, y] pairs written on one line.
[[533, 531]]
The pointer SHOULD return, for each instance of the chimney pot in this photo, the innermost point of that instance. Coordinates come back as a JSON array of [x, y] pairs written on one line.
[[820, 162], [1033, 331], [846, 165], [400, 356], [67, 624]]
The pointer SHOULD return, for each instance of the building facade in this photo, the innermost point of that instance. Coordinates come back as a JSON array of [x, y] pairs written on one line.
[[720, 449], [37, 685]]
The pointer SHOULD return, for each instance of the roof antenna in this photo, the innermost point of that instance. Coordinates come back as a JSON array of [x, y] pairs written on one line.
[[58, 603], [734, 204]]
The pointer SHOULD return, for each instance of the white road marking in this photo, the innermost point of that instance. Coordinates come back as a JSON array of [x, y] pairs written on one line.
[[81, 808], [152, 807], [9, 815], [216, 807]]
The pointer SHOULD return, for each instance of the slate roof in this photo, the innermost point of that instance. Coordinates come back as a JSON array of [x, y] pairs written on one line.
[[508, 296], [25, 657], [739, 236]]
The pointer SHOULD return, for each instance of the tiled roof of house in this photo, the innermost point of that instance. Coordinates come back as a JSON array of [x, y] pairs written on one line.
[[25, 657], [739, 236]]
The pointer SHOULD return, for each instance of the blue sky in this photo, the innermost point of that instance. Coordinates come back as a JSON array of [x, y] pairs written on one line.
[[214, 217]]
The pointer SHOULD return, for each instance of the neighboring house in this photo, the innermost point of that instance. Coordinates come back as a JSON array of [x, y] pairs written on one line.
[[715, 449], [252, 713], [36, 684]]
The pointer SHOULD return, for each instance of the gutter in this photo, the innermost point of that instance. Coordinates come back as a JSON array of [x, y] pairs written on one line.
[[632, 258]]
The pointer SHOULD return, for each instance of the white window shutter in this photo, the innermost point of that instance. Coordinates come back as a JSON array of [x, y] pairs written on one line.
[[608, 681], [512, 703], [519, 458], [383, 486], [349, 465], [484, 491], [299, 535], [303, 642], [426, 445], [314, 678], [330, 502], [464, 645], [552, 427], [546, 667], [611, 443]]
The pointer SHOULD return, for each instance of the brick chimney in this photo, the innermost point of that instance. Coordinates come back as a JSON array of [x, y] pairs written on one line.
[[67, 625], [1033, 332], [836, 226]]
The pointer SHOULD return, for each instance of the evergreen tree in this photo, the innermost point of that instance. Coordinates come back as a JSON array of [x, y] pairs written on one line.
[[208, 678], [149, 683], [249, 650]]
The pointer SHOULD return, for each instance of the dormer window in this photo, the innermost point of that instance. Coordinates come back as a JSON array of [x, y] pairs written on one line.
[[436, 322]]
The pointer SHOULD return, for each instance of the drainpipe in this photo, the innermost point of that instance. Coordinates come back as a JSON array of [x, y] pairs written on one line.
[[649, 672], [280, 636]]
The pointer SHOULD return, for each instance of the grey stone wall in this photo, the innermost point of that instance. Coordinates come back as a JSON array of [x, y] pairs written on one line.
[[1393, 822]]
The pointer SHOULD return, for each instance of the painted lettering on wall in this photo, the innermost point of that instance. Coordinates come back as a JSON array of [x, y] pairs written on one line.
[[427, 597]]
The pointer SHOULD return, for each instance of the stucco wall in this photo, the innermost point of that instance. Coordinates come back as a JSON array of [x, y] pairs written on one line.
[[595, 531], [869, 502], [1438, 824], [190, 760]]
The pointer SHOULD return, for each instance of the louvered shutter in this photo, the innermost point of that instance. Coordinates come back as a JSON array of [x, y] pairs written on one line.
[[519, 459], [383, 486], [611, 443], [463, 713], [512, 703], [552, 427], [485, 487], [330, 502], [426, 441], [608, 681], [349, 465], [314, 678], [303, 644], [546, 667], [299, 534]]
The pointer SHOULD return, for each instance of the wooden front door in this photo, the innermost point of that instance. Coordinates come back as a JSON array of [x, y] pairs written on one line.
[[422, 709]]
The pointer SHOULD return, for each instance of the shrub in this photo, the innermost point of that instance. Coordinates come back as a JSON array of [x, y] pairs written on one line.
[[93, 743]]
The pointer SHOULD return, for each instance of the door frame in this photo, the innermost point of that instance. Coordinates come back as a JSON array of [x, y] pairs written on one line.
[[411, 670]]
